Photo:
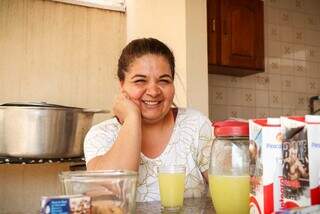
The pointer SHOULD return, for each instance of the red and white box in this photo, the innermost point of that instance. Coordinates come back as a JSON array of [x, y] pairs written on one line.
[[313, 135], [301, 161], [265, 153]]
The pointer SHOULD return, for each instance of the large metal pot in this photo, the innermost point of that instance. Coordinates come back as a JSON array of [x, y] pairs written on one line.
[[42, 130]]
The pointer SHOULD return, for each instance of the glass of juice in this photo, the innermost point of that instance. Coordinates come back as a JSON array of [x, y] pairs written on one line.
[[171, 186], [230, 194]]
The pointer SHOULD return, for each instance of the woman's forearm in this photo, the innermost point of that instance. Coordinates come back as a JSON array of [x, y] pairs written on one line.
[[125, 152]]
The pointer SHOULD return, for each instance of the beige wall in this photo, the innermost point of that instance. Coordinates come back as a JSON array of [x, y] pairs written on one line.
[[58, 53], [197, 59], [292, 75], [181, 24]]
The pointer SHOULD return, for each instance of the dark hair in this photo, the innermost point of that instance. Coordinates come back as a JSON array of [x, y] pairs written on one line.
[[139, 47]]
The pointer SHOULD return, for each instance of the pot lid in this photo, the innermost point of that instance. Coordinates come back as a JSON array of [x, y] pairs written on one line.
[[37, 104], [45, 105], [229, 128]]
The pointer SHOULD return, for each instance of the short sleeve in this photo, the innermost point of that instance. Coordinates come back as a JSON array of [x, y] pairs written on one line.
[[100, 139], [205, 139]]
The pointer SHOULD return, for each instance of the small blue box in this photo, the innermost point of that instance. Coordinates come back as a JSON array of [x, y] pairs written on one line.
[[65, 204]]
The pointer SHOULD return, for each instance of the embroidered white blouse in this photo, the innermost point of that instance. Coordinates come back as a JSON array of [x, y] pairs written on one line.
[[189, 145]]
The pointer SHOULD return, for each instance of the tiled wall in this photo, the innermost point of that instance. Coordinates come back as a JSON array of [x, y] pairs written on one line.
[[292, 74]]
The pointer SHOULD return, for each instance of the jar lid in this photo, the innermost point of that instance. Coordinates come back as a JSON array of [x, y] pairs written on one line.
[[230, 128]]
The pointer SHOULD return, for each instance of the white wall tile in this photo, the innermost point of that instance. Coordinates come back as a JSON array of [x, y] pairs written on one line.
[[211, 97], [248, 97], [300, 52], [301, 101], [313, 69], [298, 36], [275, 82], [234, 96], [299, 68], [219, 112], [287, 83], [311, 21], [274, 49], [312, 85], [262, 81], [248, 112], [298, 19], [286, 4], [312, 6], [312, 53], [262, 112], [275, 99], [286, 33], [273, 3], [317, 54], [218, 80], [301, 112], [275, 112], [288, 112], [287, 50], [299, 5], [300, 84], [248, 82], [220, 95], [262, 98], [273, 65], [273, 32], [234, 111], [273, 15], [235, 82], [288, 99], [312, 37], [285, 17], [286, 66]]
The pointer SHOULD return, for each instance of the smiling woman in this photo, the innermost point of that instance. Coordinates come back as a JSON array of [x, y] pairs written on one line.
[[149, 84], [147, 131]]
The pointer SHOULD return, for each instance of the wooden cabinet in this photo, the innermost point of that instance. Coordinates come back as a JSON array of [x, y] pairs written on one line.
[[235, 37]]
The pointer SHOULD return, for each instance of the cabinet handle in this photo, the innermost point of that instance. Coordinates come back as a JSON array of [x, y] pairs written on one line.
[[213, 25]]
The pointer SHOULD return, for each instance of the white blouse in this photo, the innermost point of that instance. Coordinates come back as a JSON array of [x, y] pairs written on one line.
[[189, 145]]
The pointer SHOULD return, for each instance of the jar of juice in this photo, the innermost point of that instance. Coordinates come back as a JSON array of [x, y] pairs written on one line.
[[229, 179]]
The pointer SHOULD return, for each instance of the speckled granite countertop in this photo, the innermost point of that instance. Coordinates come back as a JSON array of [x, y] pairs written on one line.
[[190, 206]]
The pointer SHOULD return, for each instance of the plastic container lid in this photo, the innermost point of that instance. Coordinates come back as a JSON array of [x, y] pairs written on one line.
[[231, 128]]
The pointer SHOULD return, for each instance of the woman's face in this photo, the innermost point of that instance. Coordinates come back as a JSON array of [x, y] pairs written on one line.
[[149, 84]]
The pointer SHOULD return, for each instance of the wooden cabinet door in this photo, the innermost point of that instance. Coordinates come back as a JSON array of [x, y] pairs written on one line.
[[242, 40], [213, 31]]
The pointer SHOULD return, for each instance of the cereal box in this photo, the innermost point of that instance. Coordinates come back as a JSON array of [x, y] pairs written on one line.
[[65, 204], [265, 150], [301, 160]]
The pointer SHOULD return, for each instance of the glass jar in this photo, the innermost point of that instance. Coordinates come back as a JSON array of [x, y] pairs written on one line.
[[229, 178]]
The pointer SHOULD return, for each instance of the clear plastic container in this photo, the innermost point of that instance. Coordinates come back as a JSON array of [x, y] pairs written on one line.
[[110, 190], [229, 178]]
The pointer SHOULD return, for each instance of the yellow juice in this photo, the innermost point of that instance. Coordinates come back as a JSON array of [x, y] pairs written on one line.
[[171, 189], [230, 194]]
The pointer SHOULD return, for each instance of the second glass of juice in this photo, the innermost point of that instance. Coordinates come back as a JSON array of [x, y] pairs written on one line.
[[229, 179], [171, 186]]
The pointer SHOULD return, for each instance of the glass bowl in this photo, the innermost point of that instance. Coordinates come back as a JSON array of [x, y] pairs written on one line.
[[110, 190]]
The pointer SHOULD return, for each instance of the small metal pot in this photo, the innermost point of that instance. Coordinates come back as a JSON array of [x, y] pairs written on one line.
[[42, 130]]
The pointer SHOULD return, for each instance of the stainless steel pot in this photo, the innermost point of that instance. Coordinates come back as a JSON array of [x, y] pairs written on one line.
[[42, 130]]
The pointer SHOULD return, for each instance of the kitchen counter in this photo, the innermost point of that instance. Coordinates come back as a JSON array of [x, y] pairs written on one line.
[[190, 206]]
